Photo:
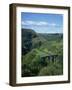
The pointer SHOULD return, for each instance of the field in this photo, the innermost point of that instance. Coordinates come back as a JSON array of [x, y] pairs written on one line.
[[42, 53]]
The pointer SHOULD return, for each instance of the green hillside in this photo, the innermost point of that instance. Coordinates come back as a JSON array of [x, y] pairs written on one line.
[[42, 53]]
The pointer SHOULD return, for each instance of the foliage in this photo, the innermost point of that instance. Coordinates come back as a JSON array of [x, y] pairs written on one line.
[[37, 49]]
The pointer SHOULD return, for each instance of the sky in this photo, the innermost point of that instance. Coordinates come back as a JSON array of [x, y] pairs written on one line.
[[42, 23]]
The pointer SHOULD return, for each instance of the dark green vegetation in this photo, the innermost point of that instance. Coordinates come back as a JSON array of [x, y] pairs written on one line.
[[42, 54]]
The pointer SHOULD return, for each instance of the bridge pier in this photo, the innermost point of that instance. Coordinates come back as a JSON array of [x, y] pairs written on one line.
[[51, 58]]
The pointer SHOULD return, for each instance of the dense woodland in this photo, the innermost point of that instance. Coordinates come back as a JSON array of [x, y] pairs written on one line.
[[42, 53]]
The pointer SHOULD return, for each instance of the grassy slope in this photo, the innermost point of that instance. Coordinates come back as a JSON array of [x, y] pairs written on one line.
[[42, 44]]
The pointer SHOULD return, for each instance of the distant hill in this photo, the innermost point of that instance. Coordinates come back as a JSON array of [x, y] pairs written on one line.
[[51, 36], [31, 39]]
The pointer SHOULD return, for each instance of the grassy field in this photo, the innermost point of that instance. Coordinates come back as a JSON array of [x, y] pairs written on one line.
[[42, 53]]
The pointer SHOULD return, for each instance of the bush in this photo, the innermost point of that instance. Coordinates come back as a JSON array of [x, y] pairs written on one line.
[[52, 69]]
